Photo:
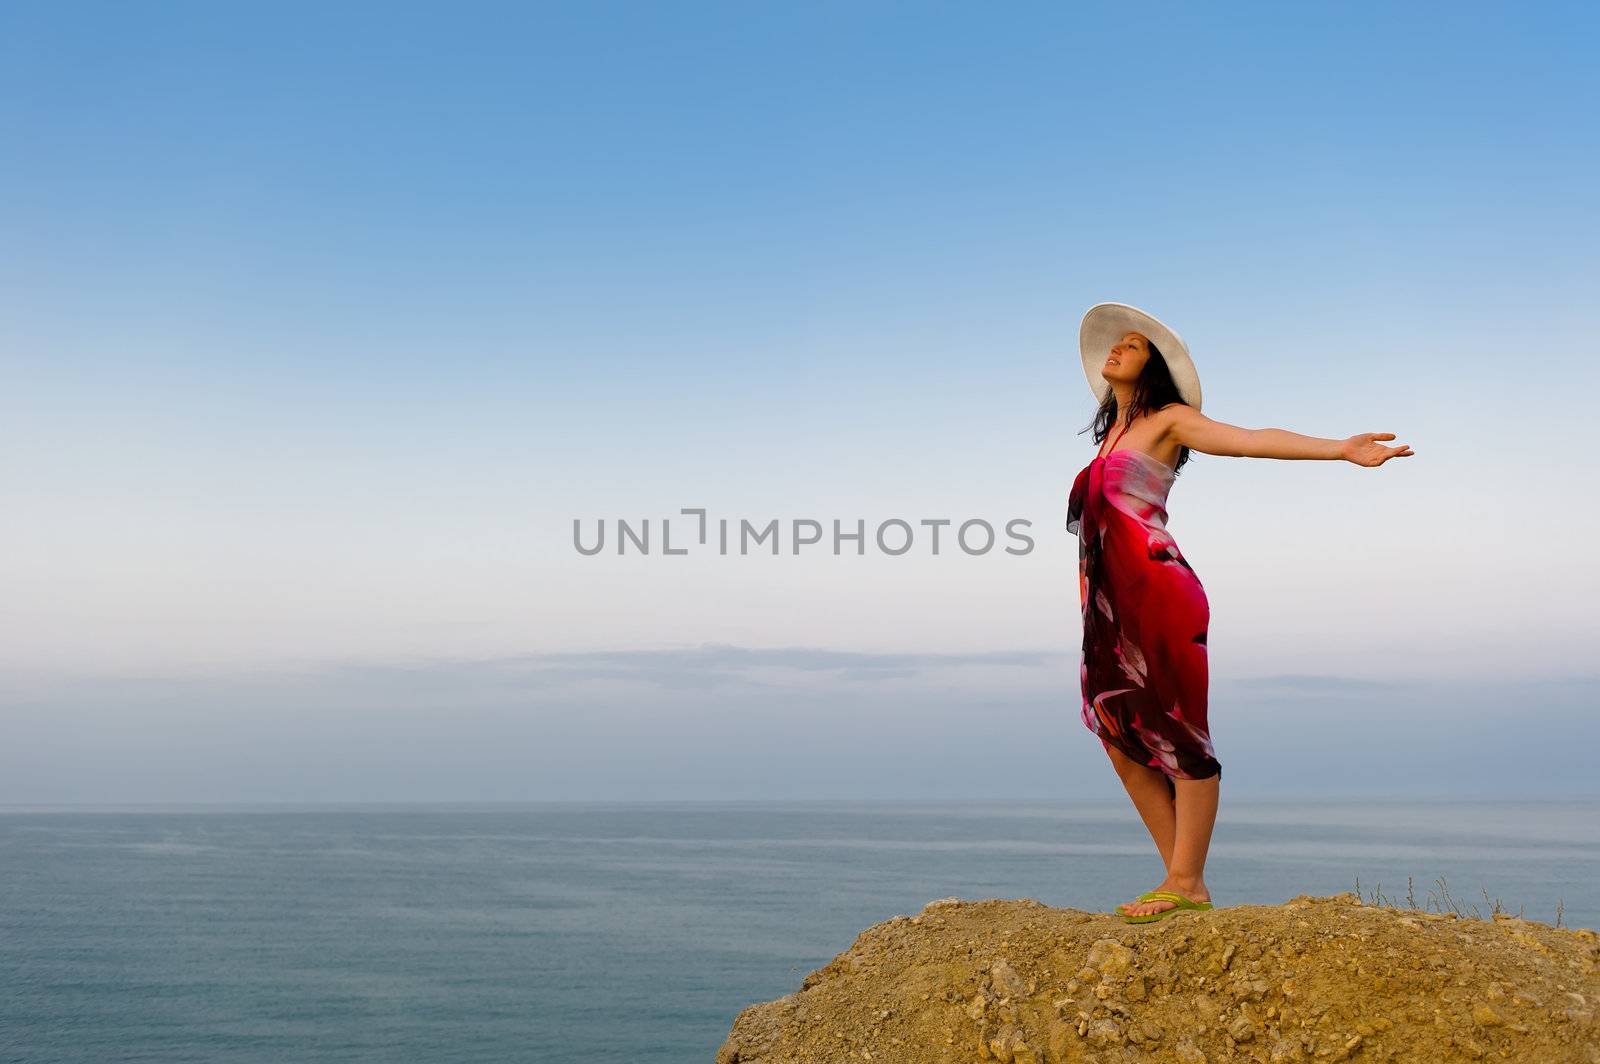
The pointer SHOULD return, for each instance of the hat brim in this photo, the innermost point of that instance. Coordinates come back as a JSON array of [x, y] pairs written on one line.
[[1107, 323]]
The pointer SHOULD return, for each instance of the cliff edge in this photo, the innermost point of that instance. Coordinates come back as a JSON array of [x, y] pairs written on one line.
[[1315, 979]]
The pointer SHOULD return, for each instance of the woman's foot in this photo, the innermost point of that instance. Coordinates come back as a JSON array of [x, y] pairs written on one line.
[[1193, 889]]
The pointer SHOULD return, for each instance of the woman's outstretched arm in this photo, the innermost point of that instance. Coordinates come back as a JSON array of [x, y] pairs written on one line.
[[1199, 433]]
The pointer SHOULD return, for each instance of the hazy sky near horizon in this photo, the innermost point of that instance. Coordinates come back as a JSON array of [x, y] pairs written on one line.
[[321, 327]]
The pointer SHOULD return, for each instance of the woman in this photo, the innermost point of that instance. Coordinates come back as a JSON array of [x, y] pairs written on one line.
[[1145, 614]]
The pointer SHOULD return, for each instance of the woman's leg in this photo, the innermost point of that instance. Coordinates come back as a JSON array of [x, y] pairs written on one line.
[[1180, 823], [1151, 797]]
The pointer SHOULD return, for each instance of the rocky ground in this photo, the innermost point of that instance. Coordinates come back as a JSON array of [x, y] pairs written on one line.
[[1314, 979]]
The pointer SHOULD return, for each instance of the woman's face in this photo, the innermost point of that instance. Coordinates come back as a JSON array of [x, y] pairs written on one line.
[[1127, 358]]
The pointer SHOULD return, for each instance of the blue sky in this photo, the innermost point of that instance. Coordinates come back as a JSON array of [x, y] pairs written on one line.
[[320, 328]]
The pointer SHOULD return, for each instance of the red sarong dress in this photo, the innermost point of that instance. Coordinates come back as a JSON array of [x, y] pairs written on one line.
[[1145, 617]]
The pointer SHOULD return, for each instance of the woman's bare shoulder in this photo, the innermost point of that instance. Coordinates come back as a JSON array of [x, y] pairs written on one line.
[[1173, 413], [1170, 419]]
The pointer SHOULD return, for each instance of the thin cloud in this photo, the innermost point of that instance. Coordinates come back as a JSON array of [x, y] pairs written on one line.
[[710, 665], [1303, 683], [721, 664]]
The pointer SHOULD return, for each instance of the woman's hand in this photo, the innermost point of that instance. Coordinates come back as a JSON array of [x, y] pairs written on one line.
[[1364, 450]]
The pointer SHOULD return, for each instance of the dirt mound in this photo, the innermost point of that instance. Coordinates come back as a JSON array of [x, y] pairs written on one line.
[[1314, 979]]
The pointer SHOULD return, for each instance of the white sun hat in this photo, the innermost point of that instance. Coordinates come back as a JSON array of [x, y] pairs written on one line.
[[1107, 323]]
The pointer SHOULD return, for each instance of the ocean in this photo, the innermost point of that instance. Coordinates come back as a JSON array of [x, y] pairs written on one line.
[[557, 933]]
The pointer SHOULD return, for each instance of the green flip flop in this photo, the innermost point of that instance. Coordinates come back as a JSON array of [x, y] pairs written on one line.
[[1118, 910], [1179, 902], [1149, 895]]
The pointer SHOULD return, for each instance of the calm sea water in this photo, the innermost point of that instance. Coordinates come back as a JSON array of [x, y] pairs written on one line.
[[613, 932]]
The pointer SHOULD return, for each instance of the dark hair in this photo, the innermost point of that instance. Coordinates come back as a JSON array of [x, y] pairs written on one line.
[[1153, 390]]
